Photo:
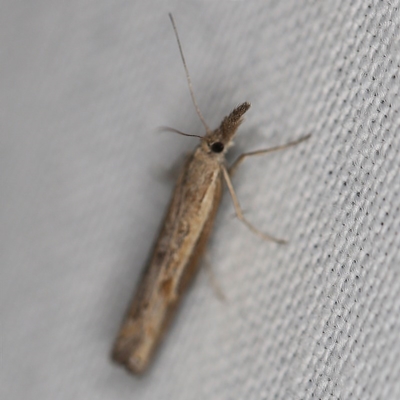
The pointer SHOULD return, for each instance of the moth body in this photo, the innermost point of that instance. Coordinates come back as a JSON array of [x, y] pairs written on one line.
[[180, 244]]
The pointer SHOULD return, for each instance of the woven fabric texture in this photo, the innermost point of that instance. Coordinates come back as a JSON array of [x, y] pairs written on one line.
[[86, 177]]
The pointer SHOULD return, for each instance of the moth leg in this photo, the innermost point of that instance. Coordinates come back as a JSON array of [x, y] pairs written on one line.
[[241, 158], [239, 212]]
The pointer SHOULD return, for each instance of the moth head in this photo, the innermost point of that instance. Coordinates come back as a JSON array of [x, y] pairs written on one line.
[[219, 140]]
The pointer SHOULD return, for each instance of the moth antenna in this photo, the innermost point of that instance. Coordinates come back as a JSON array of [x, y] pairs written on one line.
[[168, 129], [188, 76]]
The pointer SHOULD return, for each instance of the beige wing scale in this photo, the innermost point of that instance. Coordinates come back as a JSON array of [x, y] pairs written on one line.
[[173, 263]]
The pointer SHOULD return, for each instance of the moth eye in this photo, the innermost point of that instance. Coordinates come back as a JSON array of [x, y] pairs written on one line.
[[217, 147]]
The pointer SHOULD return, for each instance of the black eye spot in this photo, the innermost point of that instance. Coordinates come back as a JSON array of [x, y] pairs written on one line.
[[217, 147]]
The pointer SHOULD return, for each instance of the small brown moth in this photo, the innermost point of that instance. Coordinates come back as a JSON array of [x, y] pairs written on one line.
[[183, 236]]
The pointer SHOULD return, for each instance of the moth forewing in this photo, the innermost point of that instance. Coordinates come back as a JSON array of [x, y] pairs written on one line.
[[180, 244]]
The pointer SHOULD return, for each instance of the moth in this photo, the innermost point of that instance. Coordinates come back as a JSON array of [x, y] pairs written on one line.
[[183, 236]]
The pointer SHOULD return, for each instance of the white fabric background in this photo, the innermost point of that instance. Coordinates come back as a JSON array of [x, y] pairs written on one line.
[[85, 182]]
